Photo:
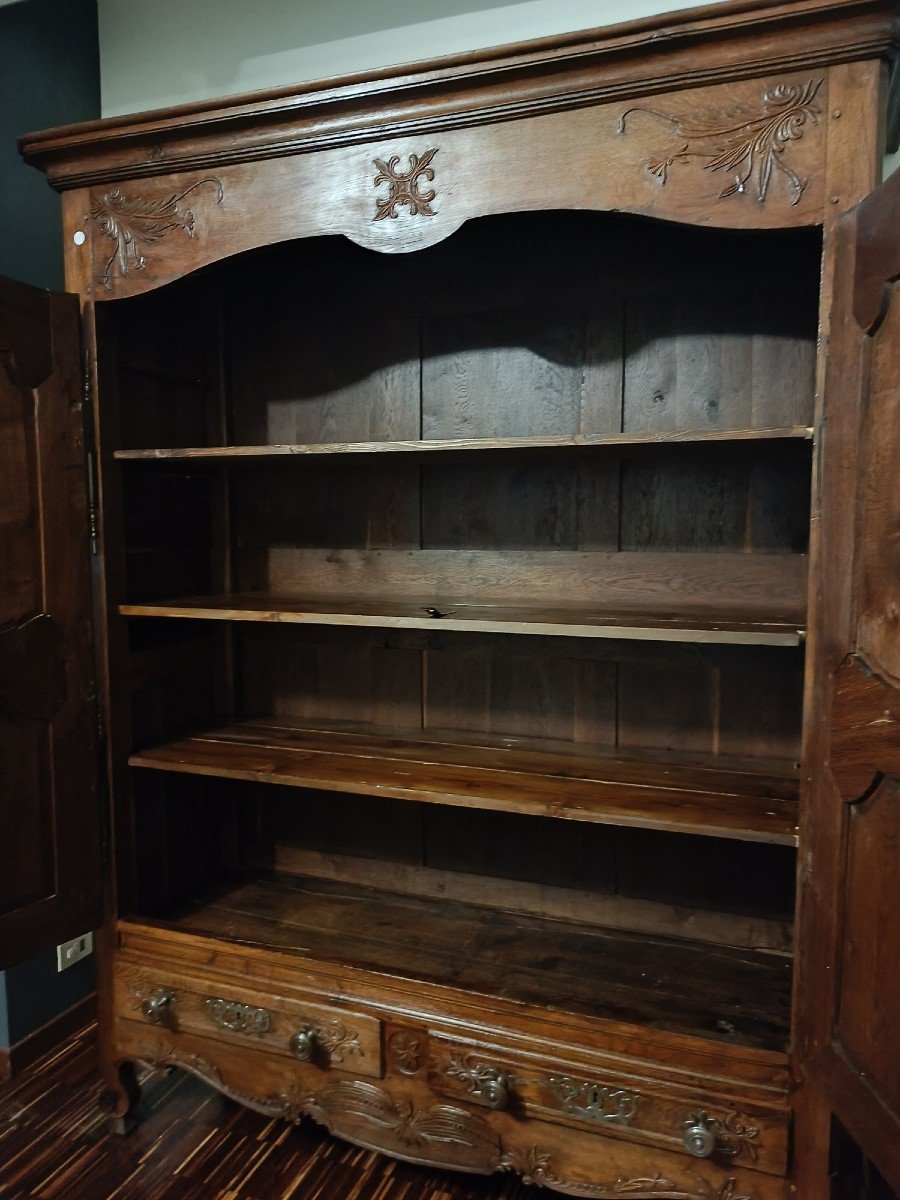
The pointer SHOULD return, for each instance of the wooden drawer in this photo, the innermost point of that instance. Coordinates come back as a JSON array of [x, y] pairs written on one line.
[[324, 1035], [617, 1102], [403, 1117]]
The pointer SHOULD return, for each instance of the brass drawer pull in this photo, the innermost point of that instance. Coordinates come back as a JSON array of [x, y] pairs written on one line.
[[234, 1017], [303, 1043], [157, 1007], [594, 1102]]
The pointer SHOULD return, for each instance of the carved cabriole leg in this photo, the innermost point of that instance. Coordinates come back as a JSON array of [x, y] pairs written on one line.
[[120, 1096], [407, 1122]]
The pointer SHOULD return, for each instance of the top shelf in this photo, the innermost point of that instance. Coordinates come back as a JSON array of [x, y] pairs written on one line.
[[457, 445]]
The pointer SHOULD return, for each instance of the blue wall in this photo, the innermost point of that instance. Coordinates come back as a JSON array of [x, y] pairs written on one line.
[[49, 75]]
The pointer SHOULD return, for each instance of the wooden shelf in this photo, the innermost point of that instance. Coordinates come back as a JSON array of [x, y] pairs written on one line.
[[688, 625], [734, 996], [509, 775], [468, 445]]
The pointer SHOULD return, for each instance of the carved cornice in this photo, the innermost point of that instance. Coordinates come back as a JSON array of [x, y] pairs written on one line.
[[742, 39]]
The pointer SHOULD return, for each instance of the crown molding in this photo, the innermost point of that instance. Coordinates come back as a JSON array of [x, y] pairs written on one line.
[[739, 39]]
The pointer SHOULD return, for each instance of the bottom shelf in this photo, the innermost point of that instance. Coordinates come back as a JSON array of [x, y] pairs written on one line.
[[731, 995]]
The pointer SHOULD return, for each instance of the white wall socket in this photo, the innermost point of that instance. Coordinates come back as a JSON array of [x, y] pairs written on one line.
[[72, 952]]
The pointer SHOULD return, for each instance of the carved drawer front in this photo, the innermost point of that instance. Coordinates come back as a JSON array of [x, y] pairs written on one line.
[[323, 1035], [617, 1103]]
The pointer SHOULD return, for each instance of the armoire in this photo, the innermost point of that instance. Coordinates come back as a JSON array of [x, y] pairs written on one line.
[[449, 604]]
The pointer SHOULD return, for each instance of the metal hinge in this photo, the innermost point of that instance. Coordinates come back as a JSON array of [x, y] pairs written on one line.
[[87, 394]]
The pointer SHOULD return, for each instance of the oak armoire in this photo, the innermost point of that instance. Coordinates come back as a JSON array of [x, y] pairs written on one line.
[[450, 604]]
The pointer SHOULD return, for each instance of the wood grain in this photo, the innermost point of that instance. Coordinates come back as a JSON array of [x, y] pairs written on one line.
[[536, 899], [437, 446], [737, 997], [699, 625], [691, 799]]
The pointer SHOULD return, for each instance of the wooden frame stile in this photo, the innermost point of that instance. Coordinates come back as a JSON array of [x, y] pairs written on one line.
[[745, 116], [120, 1093], [853, 167], [855, 751]]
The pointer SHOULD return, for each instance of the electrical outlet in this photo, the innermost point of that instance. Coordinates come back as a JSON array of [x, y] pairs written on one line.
[[72, 952]]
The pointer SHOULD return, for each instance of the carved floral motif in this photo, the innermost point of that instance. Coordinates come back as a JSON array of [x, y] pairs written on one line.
[[749, 147], [133, 222], [337, 1040], [405, 1051], [404, 186]]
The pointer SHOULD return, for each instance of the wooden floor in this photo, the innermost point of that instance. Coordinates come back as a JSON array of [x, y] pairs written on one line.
[[190, 1143]]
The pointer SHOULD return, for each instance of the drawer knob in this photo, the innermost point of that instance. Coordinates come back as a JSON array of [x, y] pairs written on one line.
[[700, 1135], [157, 1007], [303, 1044], [494, 1088]]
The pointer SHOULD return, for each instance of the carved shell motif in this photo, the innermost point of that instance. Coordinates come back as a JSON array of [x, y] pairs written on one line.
[[134, 222], [749, 147]]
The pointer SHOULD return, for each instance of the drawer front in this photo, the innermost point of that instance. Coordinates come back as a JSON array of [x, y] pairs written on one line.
[[403, 1117], [324, 1035], [675, 1117]]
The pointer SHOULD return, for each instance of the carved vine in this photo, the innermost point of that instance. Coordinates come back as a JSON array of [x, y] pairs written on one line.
[[425, 1133], [133, 222], [404, 186], [750, 147]]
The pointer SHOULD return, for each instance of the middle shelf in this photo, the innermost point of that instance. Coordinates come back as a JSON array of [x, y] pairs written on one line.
[[740, 799], [700, 623]]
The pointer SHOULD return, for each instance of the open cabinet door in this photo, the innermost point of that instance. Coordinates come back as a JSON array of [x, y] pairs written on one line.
[[850, 949], [50, 856]]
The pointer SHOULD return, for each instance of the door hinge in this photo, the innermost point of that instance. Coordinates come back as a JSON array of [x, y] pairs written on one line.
[[87, 395]]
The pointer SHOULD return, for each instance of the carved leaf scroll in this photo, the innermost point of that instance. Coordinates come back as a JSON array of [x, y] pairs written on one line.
[[748, 148], [534, 1165], [134, 222], [404, 186], [337, 1040]]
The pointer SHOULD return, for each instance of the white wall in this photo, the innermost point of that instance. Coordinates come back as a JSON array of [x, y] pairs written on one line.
[[175, 51]]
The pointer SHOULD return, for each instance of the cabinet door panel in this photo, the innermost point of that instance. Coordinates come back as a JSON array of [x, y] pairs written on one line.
[[49, 812], [855, 807]]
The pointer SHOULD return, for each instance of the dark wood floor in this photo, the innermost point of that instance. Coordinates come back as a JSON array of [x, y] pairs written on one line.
[[189, 1143]]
